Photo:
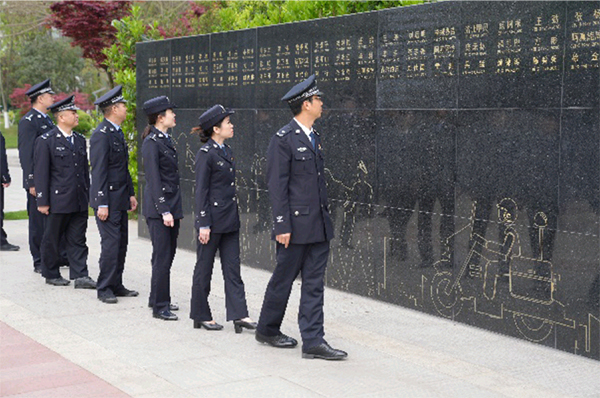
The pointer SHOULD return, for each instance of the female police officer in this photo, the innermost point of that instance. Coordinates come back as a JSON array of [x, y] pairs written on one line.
[[218, 223], [162, 201]]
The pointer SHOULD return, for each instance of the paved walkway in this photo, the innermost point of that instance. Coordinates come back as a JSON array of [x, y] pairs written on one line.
[[393, 351]]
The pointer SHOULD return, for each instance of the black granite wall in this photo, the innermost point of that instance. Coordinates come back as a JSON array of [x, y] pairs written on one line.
[[440, 120]]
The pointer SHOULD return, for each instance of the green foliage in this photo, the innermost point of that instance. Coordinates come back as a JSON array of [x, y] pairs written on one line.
[[120, 60], [46, 57], [86, 124], [248, 14]]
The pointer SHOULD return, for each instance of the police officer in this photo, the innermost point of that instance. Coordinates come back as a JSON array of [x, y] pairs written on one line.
[[112, 195], [61, 178], [302, 226], [218, 223], [162, 201], [35, 123], [4, 183]]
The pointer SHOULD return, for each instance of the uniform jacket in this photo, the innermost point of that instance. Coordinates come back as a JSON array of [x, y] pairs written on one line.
[[162, 193], [31, 126], [4, 174], [216, 202], [61, 174], [297, 186], [109, 159]]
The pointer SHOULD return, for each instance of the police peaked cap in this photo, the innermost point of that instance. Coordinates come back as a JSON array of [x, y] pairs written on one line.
[[39, 89], [66, 104], [213, 116], [158, 104], [112, 97], [302, 91]]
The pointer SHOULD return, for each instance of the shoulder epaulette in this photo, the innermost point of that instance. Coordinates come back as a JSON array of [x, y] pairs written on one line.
[[29, 118], [283, 131], [152, 136], [79, 135], [45, 136], [103, 130], [206, 147]]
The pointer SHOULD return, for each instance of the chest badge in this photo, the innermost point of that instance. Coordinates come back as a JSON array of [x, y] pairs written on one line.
[[302, 149], [220, 163], [60, 148]]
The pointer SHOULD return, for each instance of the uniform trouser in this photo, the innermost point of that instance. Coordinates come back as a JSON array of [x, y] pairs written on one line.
[[3, 236], [70, 227], [37, 226], [228, 245], [164, 245], [311, 260], [114, 234]]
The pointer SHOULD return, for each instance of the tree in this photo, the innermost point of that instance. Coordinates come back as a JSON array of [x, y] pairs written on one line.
[[88, 23], [49, 58]]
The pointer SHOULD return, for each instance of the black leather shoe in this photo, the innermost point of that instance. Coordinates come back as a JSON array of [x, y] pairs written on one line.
[[324, 351], [239, 324], [7, 247], [172, 307], [85, 282], [207, 325], [279, 341], [60, 281], [165, 315], [108, 298], [124, 292], [37, 270]]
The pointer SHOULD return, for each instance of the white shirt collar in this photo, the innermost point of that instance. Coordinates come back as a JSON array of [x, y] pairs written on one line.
[[306, 130], [117, 127], [41, 113], [63, 133]]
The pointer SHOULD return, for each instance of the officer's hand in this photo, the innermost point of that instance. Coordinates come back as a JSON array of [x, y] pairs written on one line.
[[133, 203], [32, 191], [204, 235], [44, 209], [168, 220], [102, 213], [284, 239], [6, 184]]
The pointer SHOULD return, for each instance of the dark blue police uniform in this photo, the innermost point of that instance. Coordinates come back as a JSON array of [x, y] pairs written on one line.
[[31, 126], [111, 187], [4, 179], [161, 195], [61, 178], [217, 208], [298, 196]]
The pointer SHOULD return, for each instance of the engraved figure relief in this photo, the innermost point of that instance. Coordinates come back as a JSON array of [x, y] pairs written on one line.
[[352, 256], [530, 282]]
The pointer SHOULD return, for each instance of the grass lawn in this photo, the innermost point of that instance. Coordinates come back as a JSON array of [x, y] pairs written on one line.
[[16, 215], [11, 136]]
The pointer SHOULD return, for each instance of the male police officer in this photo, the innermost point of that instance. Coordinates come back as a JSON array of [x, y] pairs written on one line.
[[35, 123], [112, 194], [61, 178], [4, 183], [302, 226]]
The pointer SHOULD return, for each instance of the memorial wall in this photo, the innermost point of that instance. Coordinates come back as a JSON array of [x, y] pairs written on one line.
[[462, 152]]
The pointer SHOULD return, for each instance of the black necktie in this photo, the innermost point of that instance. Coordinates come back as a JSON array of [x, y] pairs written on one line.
[[70, 139], [312, 139]]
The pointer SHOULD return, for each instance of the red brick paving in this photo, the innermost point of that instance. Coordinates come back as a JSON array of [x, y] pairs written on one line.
[[29, 369]]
